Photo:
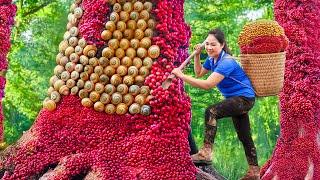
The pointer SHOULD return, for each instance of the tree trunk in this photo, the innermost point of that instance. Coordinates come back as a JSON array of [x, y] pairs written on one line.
[[297, 152], [7, 13], [77, 142]]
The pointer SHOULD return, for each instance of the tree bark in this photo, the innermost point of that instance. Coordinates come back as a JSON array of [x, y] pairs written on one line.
[[297, 152]]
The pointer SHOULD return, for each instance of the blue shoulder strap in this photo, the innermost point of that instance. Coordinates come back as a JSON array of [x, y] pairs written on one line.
[[229, 57]]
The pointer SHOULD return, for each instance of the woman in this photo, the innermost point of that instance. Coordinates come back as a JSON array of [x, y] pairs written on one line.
[[239, 95]]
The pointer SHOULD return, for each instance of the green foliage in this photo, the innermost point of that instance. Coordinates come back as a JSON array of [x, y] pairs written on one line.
[[17, 124], [35, 39], [229, 15]]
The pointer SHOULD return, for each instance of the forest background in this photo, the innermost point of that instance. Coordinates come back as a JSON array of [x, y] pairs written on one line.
[[39, 28]]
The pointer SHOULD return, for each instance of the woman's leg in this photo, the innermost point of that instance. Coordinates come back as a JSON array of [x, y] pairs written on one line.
[[230, 107], [242, 126], [227, 108], [192, 144]]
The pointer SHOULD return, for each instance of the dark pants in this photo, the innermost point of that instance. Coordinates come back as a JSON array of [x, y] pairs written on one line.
[[192, 144], [237, 108]]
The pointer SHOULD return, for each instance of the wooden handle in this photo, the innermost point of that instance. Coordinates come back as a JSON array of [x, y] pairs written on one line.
[[185, 62], [167, 82]]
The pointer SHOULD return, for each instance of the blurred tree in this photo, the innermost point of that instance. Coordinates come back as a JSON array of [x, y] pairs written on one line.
[[35, 38]]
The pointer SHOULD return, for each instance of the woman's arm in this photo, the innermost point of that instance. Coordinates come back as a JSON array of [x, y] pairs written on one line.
[[207, 84], [198, 69]]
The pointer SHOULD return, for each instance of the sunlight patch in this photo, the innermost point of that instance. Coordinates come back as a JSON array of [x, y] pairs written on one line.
[[267, 171], [275, 177], [254, 14], [302, 132], [310, 171], [318, 140]]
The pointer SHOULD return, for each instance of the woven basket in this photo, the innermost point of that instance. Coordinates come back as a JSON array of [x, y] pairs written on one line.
[[266, 72]]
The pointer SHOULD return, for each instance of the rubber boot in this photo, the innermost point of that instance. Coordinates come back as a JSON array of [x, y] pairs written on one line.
[[204, 156], [253, 173]]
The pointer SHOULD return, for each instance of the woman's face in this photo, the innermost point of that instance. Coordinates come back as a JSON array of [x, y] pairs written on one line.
[[213, 47]]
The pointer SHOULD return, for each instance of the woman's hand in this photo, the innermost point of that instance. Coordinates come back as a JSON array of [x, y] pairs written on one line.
[[198, 49], [177, 72]]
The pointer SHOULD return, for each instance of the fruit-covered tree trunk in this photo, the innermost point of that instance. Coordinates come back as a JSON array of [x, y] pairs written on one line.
[[7, 12], [297, 152], [69, 140]]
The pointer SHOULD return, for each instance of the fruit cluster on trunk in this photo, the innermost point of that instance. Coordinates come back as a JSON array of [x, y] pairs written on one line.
[[297, 152]]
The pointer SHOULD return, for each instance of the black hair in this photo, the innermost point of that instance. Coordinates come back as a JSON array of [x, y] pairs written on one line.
[[219, 35]]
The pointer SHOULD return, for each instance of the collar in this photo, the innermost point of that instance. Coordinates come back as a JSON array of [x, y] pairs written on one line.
[[222, 53]]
